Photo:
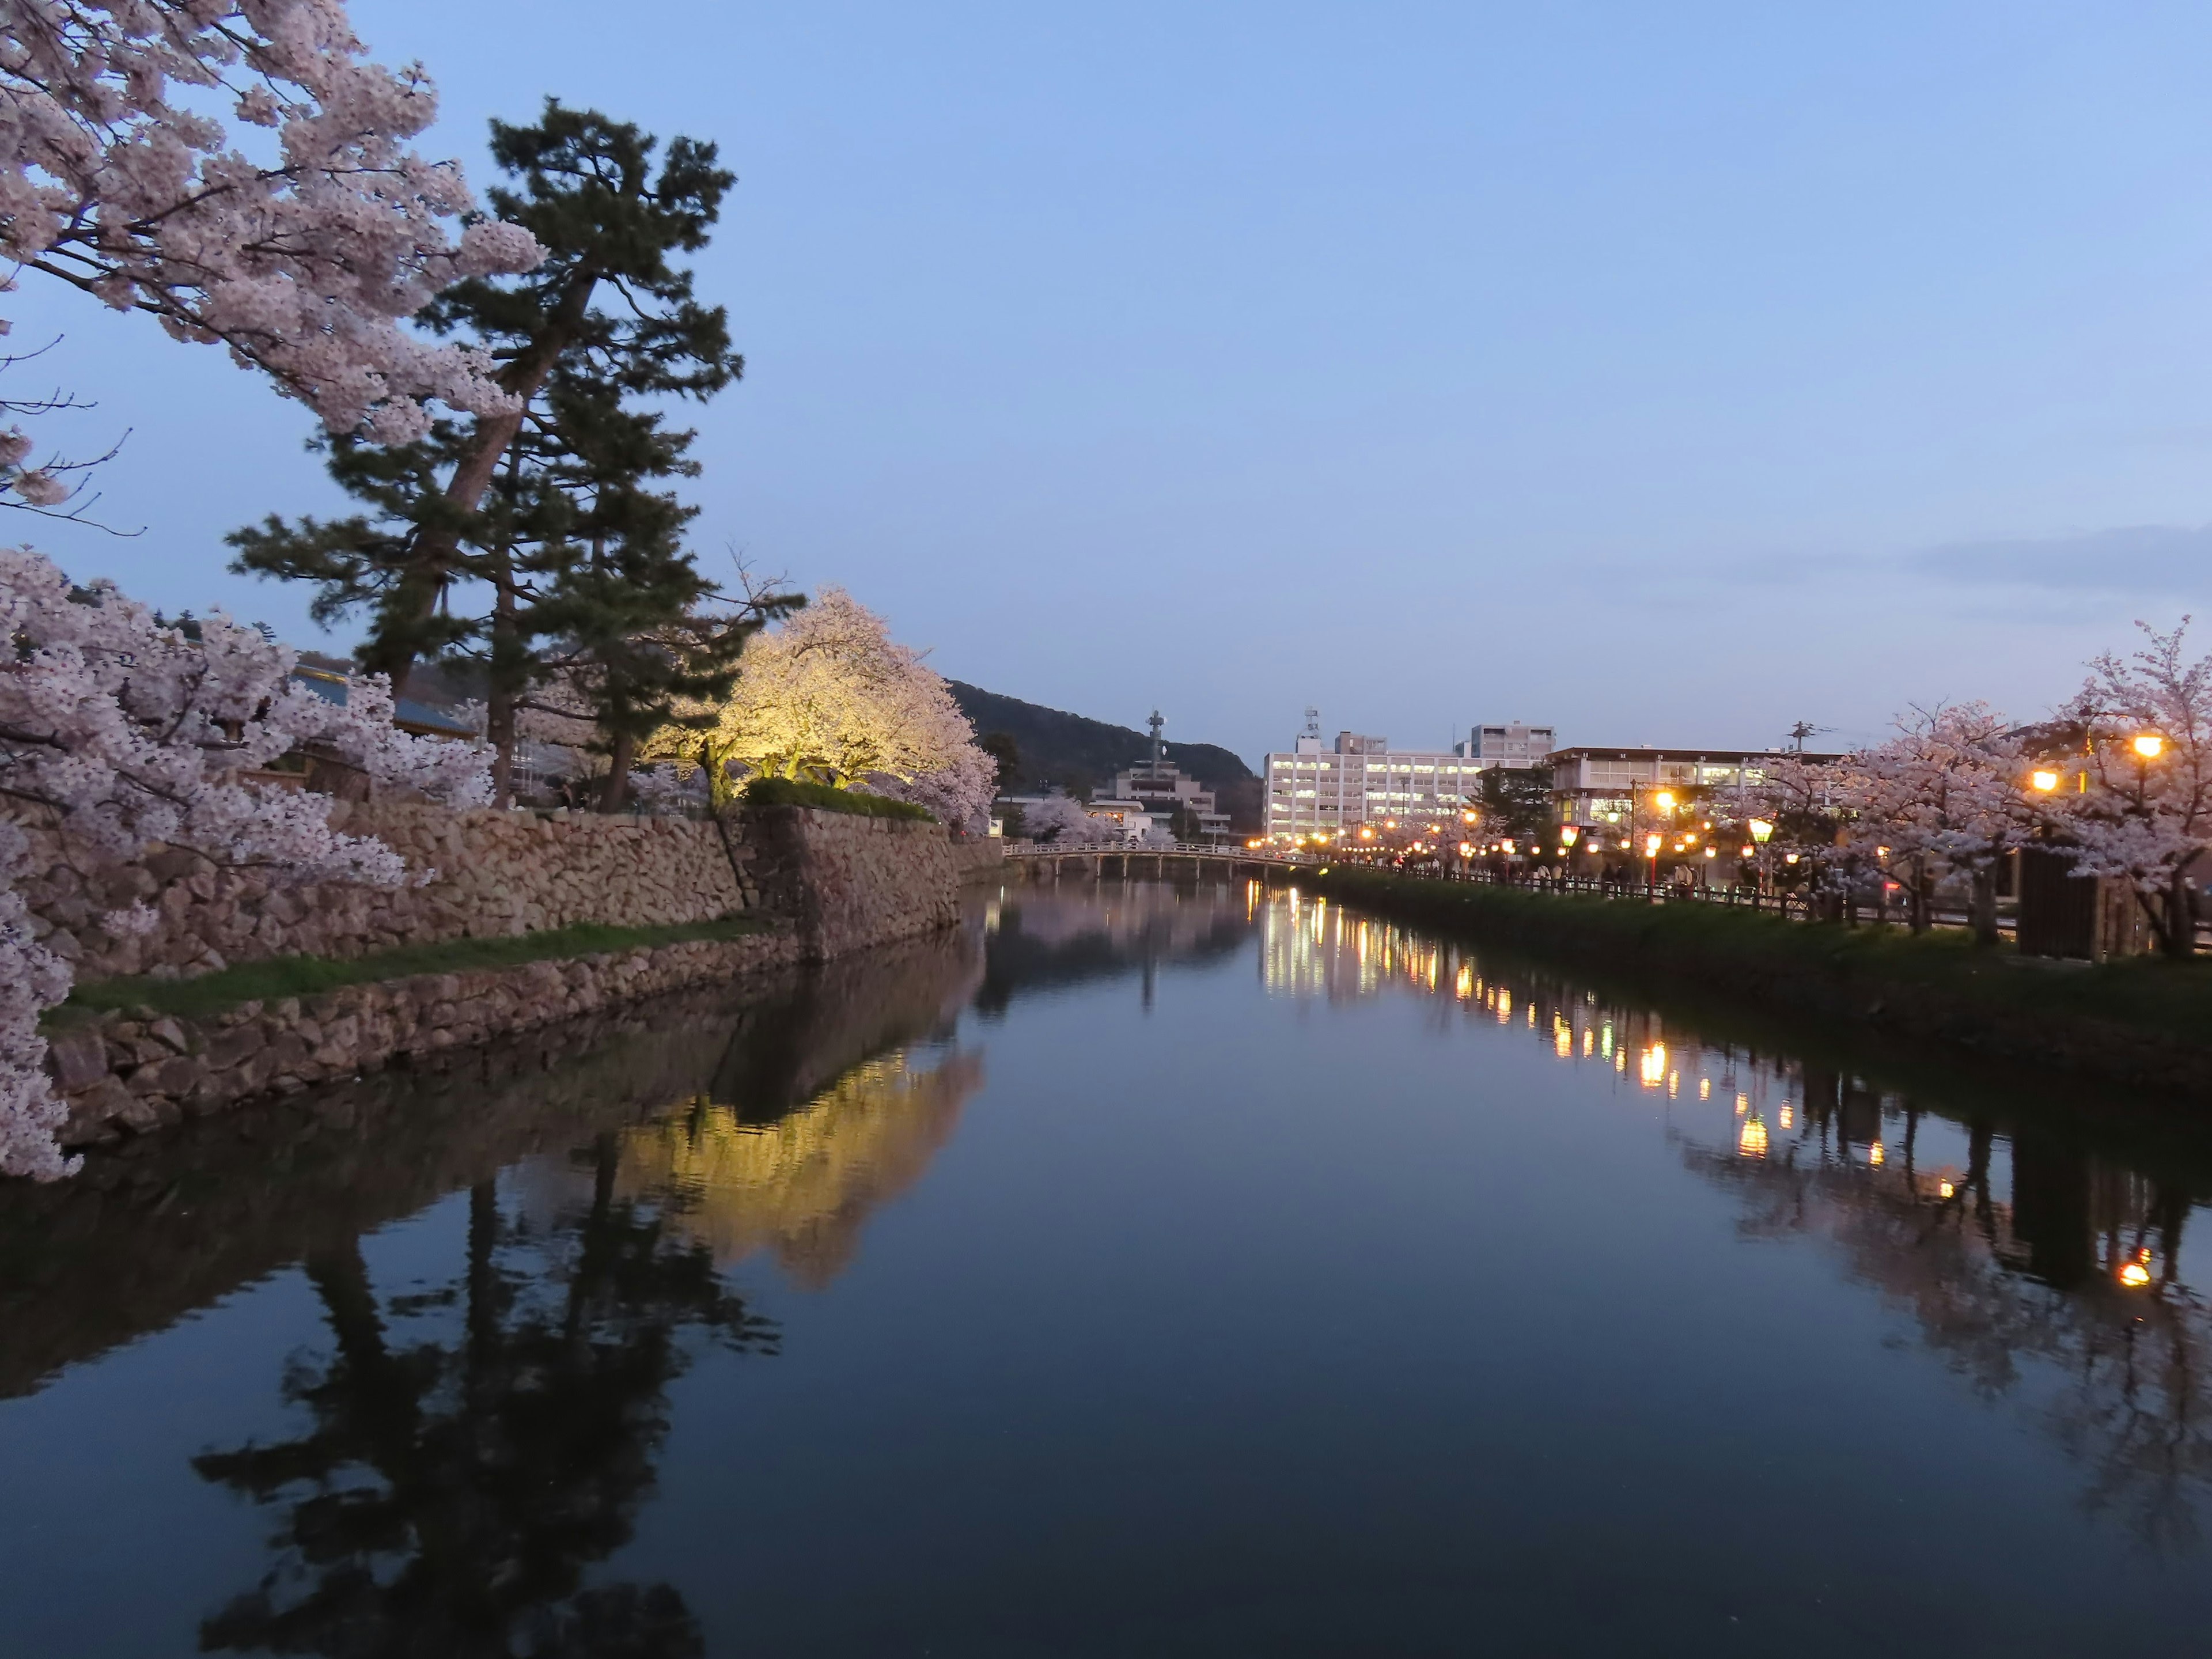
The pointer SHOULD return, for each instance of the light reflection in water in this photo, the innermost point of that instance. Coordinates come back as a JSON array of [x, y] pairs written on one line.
[[805, 1185], [2019, 1257]]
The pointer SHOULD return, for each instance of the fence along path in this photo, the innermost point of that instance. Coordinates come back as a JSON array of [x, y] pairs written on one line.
[[1126, 862]]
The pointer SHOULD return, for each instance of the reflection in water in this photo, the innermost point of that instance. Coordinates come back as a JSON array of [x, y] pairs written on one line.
[[452, 1311], [477, 1442], [804, 1184], [2037, 1270], [473, 1443], [159, 1227], [1051, 937]]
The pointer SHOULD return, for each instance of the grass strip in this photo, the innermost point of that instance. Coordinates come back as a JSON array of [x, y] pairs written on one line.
[[1925, 981], [787, 792], [279, 977]]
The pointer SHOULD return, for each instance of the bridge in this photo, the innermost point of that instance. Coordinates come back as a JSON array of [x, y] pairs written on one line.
[[1052, 860]]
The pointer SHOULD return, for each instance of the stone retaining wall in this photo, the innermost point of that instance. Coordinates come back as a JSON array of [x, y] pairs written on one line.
[[133, 1071], [847, 882], [828, 883], [982, 859], [495, 874]]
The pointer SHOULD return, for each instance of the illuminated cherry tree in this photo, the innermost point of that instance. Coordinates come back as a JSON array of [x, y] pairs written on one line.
[[124, 172], [830, 697], [121, 733], [2146, 726]]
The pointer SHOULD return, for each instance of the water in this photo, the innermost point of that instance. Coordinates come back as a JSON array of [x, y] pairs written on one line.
[[1137, 1273]]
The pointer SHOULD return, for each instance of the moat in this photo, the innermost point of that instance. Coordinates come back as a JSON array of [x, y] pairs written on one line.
[[1144, 1269]]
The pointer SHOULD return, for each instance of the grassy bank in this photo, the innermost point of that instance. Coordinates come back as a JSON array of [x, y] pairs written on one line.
[[299, 976], [2144, 1020]]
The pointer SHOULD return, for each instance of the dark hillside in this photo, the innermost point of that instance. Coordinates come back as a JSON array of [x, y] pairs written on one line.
[[1071, 751]]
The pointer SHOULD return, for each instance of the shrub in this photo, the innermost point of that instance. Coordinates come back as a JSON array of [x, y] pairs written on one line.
[[786, 792]]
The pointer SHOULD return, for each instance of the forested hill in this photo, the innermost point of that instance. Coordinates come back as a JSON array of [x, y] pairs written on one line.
[[1071, 751]]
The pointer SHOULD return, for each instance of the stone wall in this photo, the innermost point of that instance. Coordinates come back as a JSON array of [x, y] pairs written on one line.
[[825, 884], [127, 1072], [847, 882], [495, 874], [982, 859]]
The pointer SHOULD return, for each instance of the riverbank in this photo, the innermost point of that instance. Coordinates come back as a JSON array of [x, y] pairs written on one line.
[[137, 1051], [2146, 1022], [129, 1069]]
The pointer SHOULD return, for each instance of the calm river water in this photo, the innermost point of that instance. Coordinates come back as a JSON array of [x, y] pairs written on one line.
[[1142, 1272]]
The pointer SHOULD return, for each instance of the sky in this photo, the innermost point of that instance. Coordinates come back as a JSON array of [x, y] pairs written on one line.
[[1666, 373]]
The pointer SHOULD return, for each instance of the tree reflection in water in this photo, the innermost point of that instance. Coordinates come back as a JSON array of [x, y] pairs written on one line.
[[2040, 1270], [804, 1184], [476, 1445]]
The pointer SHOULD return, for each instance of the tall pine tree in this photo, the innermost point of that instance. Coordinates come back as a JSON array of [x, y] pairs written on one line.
[[472, 541]]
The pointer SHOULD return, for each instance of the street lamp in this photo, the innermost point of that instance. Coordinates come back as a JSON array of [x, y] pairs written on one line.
[[2044, 781], [2149, 745], [1651, 860]]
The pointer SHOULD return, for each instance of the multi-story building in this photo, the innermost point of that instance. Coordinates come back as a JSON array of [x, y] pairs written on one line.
[[1362, 780], [1598, 787], [1156, 789], [1513, 744]]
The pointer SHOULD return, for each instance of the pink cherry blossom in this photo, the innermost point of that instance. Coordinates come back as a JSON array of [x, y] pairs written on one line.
[[124, 734], [119, 176]]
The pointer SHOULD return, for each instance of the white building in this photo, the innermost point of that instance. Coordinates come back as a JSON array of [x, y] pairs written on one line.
[[1130, 820], [1362, 780], [1512, 745], [1598, 787], [1157, 786]]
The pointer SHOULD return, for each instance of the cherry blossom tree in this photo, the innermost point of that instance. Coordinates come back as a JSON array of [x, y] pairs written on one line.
[[124, 173], [1061, 819], [123, 733], [830, 697], [1945, 796], [2147, 814]]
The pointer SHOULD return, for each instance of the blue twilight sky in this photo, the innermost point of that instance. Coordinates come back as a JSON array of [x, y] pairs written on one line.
[[1668, 373]]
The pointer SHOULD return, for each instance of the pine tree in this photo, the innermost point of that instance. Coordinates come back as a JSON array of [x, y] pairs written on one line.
[[638, 633], [474, 506]]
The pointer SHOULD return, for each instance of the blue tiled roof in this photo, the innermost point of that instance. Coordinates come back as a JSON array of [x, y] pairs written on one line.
[[406, 713]]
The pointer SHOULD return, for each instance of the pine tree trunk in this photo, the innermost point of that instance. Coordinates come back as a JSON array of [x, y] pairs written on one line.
[[499, 727], [499, 698], [617, 793], [395, 644]]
